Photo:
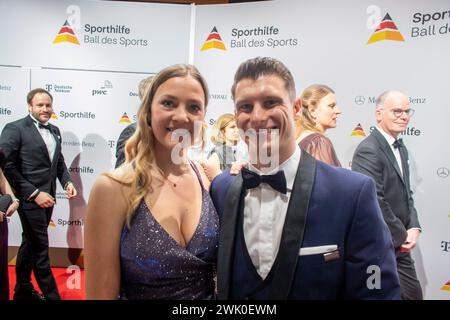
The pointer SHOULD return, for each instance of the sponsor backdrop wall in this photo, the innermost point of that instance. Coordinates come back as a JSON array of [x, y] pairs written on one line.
[[91, 56], [360, 49]]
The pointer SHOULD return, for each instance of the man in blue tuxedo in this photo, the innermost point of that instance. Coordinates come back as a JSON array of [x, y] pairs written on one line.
[[293, 227]]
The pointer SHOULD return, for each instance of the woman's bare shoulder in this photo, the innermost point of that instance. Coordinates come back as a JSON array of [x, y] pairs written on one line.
[[207, 171], [112, 189]]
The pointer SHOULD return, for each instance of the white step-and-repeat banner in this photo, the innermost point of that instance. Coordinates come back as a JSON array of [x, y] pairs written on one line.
[[360, 49], [91, 55]]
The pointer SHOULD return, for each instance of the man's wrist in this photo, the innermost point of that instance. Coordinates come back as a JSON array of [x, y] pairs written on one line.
[[34, 195]]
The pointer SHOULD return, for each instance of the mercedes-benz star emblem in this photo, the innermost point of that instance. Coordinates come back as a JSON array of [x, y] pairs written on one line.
[[359, 100], [443, 172]]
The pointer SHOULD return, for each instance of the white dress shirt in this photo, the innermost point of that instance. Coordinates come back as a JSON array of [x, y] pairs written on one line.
[[264, 215], [48, 138], [396, 152]]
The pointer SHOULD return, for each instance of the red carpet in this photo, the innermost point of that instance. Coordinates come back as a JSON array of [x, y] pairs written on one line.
[[70, 282]]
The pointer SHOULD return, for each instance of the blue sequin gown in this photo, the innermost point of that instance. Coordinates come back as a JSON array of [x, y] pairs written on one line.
[[155, 266]]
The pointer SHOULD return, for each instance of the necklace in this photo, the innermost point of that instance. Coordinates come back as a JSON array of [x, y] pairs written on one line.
[[174, 182]]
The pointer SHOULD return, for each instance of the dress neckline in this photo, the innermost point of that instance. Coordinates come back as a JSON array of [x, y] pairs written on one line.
[[168, 235]]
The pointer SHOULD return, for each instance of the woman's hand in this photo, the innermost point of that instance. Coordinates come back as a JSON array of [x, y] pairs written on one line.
[[12, 208], [236, 167]]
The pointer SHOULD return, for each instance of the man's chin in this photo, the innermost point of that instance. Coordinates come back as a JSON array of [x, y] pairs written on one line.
[[401, 129], [263, 150]]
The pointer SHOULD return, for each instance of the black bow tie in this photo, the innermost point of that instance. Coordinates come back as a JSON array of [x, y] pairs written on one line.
[[398, 143], [277, 181], [42, 126]]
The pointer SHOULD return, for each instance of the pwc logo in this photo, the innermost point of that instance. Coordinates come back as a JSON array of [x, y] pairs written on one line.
[[103, 90], [386, 30], [214, 41], [66, 34]]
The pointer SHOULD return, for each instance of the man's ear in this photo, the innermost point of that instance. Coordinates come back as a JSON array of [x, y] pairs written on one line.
[[298, 107], [378, 115]]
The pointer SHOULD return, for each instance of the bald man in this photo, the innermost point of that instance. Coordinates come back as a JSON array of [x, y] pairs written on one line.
[[384, 157]]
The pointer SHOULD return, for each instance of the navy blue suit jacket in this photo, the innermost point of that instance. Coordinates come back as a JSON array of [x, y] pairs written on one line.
[[333, 206]]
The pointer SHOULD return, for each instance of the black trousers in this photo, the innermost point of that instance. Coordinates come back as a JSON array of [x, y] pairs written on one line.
[[33, 252], [410, 288]]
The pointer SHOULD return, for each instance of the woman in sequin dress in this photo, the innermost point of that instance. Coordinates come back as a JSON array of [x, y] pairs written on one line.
[[317, 112], [151, 228]]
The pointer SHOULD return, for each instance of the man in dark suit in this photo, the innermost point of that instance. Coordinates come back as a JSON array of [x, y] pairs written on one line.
[[300, 229], [32, 147], [384, 157], [123, 138], [131, 128]]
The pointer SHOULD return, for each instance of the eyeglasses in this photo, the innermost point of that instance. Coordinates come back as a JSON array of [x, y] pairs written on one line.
[[399, 112]]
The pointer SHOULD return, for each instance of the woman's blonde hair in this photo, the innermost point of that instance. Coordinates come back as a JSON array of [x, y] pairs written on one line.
[[218, 130], [139, 149], [310, 97]]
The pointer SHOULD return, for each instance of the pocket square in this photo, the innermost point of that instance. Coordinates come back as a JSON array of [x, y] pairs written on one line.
[[331, 256], [307, 251]]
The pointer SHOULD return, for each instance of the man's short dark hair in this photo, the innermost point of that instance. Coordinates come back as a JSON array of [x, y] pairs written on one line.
[[144, 84], [264, 66], [33, 92]]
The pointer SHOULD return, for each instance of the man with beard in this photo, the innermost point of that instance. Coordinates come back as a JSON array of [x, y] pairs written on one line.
[[32, 147]]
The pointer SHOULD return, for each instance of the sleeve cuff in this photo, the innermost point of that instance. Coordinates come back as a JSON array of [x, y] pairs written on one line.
[[33, 195]]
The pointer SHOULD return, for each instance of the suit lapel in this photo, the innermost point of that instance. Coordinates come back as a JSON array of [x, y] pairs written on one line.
[[232, 208], [57, 143], [386, 148], [293, 229], [36, 136], [404, 156]]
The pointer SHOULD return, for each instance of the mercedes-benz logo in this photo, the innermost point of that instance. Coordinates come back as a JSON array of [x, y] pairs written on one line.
[[359, 100], [443, 172]]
